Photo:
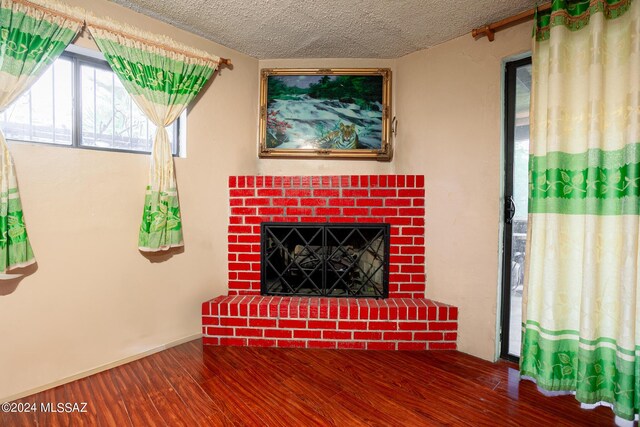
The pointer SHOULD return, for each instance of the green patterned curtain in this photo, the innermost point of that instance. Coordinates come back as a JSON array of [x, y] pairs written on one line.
[[581, 321], [162, 77], [32, 36]]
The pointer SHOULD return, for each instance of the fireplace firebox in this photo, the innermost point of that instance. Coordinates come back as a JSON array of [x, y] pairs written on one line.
[[325, 259]]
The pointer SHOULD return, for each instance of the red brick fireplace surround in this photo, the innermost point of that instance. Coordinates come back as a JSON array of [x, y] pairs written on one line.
[[404, 321]]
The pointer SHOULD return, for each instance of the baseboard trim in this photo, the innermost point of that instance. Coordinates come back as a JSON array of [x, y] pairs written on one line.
[[99, 369]]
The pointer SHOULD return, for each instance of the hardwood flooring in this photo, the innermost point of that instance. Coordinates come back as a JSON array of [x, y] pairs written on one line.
[[190, 385]]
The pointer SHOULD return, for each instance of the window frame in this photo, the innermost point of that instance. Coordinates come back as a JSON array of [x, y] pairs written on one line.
[[509, 122], [77, 60]]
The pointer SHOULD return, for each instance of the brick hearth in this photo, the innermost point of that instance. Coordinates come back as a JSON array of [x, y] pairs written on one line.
[[385, 324], [403, 321]]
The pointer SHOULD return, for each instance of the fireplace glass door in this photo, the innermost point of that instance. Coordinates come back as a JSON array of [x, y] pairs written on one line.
[[337, 260]]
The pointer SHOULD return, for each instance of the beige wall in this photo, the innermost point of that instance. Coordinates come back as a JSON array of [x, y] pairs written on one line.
[[449, 101], [328, 167], [95, 299]]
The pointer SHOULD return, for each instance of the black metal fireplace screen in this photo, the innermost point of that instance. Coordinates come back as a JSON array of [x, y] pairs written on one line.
[[337, 260]]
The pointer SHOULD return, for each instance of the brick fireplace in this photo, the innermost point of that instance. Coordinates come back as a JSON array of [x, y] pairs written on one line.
[[405, 320]]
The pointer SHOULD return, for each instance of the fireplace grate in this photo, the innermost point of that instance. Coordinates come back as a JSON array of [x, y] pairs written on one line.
[[336, 260]]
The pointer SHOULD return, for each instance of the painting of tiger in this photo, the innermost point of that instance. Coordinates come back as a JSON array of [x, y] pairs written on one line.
[[343, 138]]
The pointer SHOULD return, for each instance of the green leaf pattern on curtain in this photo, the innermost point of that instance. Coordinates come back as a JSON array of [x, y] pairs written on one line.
[[594, 183], [157, 83], [575, 14], [581, 327], [597, 370], [31, 38], [162, 78]]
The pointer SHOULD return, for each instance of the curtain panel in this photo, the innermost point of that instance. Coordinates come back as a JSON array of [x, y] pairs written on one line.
[[163, 77], [581, 323], [32, 35]]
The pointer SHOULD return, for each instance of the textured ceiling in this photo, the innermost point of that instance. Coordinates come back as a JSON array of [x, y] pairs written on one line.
[[328, 28]]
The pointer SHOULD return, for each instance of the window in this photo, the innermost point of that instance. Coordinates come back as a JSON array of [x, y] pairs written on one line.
[[80, 102], [516, 190], [45, 112]]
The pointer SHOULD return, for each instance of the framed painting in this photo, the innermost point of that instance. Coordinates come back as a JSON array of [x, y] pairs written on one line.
[[325, 113]]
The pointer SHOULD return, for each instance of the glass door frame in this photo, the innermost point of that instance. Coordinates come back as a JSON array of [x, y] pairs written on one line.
[[511, 68]]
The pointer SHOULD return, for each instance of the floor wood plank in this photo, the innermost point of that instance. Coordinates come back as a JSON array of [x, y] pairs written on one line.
[[53, 397], [80, 393], [193, 385], [108, 402]]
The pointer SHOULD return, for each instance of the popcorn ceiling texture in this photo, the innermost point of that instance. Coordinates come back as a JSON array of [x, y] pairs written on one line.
[[330, 28]]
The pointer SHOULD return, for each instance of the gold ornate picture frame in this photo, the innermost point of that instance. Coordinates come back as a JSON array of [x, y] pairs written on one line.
[[325, 113]]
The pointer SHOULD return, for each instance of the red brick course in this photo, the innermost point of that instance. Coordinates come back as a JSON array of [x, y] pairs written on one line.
[[385, 324], [394, 199]]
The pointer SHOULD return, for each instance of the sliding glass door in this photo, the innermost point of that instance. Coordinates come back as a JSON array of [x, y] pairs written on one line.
[[516, 149]]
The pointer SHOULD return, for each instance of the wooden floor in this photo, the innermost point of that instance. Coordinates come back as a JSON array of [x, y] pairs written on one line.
[[188, 385]]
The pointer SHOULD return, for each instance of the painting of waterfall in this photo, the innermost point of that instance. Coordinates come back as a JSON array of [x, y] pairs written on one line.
[[326, 113]]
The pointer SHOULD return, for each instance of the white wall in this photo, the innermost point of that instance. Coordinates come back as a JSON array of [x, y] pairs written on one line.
[[449, 108], [94, 298]]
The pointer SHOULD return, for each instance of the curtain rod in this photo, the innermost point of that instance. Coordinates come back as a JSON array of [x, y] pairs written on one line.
[[490, 30], [221, 61]]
